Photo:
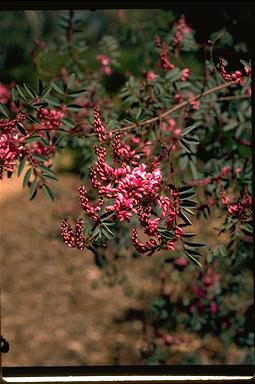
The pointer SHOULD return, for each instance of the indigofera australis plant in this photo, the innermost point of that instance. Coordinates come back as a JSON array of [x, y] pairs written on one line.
[[137, 166], [167, 146]]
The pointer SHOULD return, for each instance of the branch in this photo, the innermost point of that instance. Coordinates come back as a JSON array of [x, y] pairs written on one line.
[[173, 109]]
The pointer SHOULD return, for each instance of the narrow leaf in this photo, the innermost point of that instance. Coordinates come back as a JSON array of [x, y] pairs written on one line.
[[29, 90], [77, 93], [71, 80], [21, 166], [50, 177], [39, 157], [57, 88], [46, 91], [193, 259], [194, 245], [186, 195], [21, 129], [48, 192], [68, 122], [185, 188], [188, 234], [4, 110], [191, 139], [185, 145], [45, 169], [33, 189], [21, 92], [40, 87], [27, 177], [185, 218], [33, 119], [189, 129], [32, 139]]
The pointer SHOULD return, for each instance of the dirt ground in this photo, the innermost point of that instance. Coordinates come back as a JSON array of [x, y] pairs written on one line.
[[54, 309]]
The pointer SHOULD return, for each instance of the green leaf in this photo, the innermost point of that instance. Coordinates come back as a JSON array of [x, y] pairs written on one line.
[[33, 119], [74, 107], [40, 105], [191, 139], [107, 215], [21, 129], [53, 101], [4, 110], [39, 157], [71, 80], [20, 91], [194, 245], [185, 189], [45, 169], [189, 129], [46, 91], [185, 218], [29, 90], [188, 203], [193, 170], [188, 211], [33, 189], [246, 64], [188, 234], [68, 122], [186, 195], [58, 140], [193, 259], [40, 87], [32, 139], [58, 88], [185, 145], [231, 125], [50, 177], [193, 252], [27, 177], [14, 95], [48, 192], [21, 166], [77, 93]]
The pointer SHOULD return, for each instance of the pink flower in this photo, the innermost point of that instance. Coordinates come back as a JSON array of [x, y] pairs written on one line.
[[167, 125], [185, 74], [150, 76], [213, 307], [181, 261], [177, 132], [195, 104]]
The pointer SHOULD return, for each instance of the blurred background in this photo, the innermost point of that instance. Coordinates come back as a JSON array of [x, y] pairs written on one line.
[[58, 308]]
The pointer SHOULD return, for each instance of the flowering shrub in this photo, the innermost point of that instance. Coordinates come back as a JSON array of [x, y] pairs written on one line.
[[147, 162]]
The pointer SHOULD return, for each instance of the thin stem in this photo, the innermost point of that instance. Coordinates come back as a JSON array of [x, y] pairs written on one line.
[[173, 109]]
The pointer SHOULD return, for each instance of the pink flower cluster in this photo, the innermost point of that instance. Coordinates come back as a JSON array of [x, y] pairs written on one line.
[[240, 208], [237, 76], [106, 63], [185, 74], [164, 59], [209, 281], [74, 238], [133, 190], [181, 29], [10, 143], [168, 125], [49, 118]]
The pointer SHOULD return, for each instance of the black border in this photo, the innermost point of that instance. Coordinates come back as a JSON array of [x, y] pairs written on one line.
[[130, 370], [151, 370]]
